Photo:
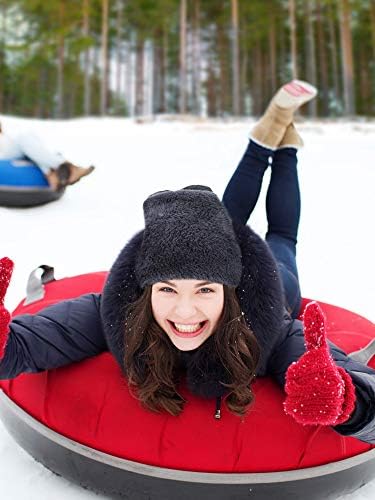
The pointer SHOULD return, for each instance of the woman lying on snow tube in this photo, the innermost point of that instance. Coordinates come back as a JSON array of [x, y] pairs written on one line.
[[198, 299], [31, 173]]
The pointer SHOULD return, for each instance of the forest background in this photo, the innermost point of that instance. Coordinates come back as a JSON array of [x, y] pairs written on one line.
[[219, 58]]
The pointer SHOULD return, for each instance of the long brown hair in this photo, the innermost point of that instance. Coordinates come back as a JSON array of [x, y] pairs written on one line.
[[152, 362]]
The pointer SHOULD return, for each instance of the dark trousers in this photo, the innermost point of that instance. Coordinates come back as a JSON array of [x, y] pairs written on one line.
[[283, 206]]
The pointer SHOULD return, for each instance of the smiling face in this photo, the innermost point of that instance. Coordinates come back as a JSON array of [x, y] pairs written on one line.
[[187, 310]]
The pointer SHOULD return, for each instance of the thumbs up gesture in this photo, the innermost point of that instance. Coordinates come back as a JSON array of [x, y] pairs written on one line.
[[318, 391], [6, 268]]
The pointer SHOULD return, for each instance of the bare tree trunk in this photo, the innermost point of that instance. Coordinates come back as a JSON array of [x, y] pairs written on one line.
[[293, 38], [129, 77], [347, 57], [223, 101], [86, 59], [235, 60], [39, 104], [311, 58], [149, 78], [372, 18], [322, 62], [163, 102], [119, 58], [139, 80], [257, 92], [157, 71], [3, 13], [224, 80], [60, 63], [104, 59], [282, 59], [45, 111], [197, 58], [182, 90], [23, 104], [72, 85], [160, 68], [364, 80], [212, 104], [96, 80], [333, 51], [243, 82], [272, 52]]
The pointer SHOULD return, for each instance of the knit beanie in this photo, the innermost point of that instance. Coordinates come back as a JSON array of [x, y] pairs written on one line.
[[188, 235]]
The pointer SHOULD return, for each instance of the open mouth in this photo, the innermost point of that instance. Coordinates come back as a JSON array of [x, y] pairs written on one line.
[[188, 331]]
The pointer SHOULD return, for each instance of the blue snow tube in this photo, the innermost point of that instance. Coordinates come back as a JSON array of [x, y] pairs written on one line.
[[22, 184]]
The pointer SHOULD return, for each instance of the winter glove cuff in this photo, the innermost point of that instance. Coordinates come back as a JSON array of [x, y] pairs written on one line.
[[349, 397], [6, 268]]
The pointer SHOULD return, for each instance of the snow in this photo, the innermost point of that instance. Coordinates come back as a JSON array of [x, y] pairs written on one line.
[[86, 229]]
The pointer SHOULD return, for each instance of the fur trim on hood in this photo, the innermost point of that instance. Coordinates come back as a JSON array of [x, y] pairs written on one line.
[[259, 293]]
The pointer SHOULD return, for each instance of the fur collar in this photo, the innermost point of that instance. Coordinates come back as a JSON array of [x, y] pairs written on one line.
[[259, 293]]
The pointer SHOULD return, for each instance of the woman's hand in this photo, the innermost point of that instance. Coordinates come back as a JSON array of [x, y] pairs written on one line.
[[318, 391], [6, 268]]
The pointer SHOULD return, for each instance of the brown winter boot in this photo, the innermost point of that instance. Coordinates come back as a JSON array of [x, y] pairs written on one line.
[[66, 174], [291, 138], [271, 128], [71, 173]]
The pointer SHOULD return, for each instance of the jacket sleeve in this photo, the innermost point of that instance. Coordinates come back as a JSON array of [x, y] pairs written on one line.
[[361, 424], [57, 335]]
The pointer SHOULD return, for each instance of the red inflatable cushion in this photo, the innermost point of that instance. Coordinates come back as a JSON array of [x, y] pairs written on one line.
[[90, 403]]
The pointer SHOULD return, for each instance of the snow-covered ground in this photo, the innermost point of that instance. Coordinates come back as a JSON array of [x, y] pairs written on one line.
[[86, 229]]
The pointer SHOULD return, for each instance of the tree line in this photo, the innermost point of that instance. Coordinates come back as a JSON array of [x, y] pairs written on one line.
[[67, 58]]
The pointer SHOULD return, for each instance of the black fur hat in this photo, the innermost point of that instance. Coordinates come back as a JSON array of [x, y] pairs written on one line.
[[188, 235]]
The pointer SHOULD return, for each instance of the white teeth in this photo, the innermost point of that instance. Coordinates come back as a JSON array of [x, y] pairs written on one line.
[[187, 328]]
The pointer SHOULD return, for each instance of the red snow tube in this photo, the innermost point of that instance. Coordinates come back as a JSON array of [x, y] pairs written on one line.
[[82, 422]]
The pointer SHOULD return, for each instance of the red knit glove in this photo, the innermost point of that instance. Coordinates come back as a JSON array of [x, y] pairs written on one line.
[[318, 391], [6, 268]]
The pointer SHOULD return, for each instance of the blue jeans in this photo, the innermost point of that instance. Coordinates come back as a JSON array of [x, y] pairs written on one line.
[[283, 205]]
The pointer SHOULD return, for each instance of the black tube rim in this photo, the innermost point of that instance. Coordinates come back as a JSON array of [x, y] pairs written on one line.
[[180, 475]]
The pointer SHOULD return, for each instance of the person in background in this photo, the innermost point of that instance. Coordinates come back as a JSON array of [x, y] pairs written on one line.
[[59, 172]]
